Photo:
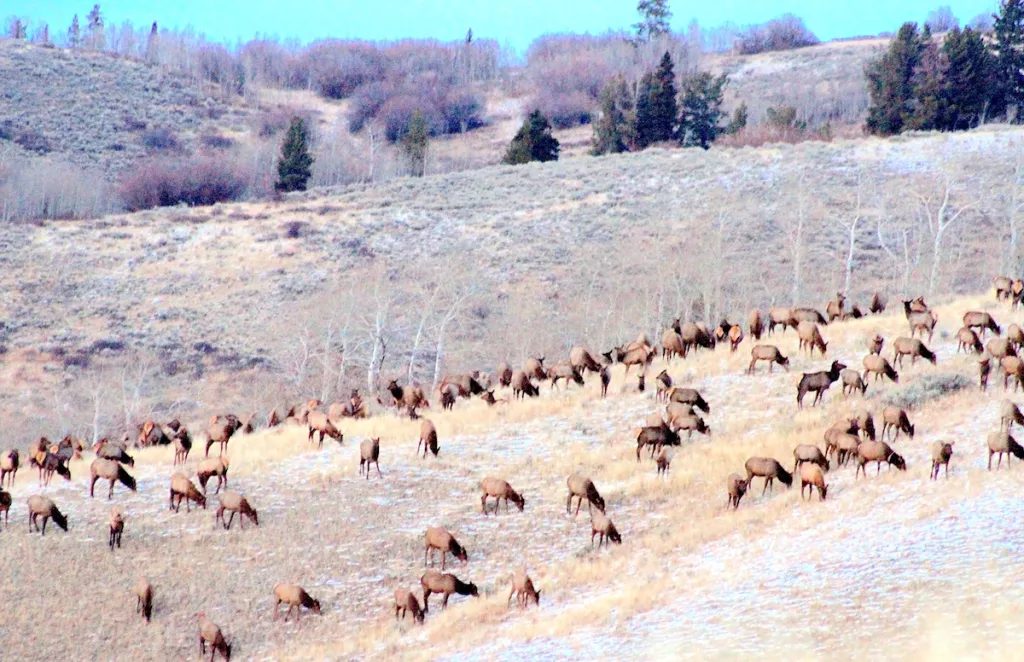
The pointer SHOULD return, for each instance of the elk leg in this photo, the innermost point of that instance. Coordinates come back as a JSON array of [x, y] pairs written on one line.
[[379, 475]]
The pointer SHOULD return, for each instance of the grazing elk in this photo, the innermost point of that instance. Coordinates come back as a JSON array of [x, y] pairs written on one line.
[[535, 369], [877, 452], [438, 538], [1009, 414], [778, 317], [689, 396], [1003, 287], [581, 359], [111, 471], [911, 347], [1000, 443], [143, 592], [809, 453], [601, 526], [664, 385], [1013, 368], [879, 367], [769, 469], [40, 506], [582, 488], [564, 371], [233, 502], [447, 585], [183, 489], [878, 303], [896, 419], [523, 590], [754, 325], [428, 438], [499, 489], [818, 382], [220, 431], [213, 466], [655, 437], [296, 598], [974, 319], [984, 370], [1000, 348], [967, 340], [405, 601], [769, 353], [522, 386], [210, 634], [504, 373], [317, 421], [811, 477], [853, 382]]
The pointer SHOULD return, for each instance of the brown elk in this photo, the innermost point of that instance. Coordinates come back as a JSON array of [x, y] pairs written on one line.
[[877, 452], [967, 340], [233, 502], [428, 438], [974, 319], [1003, 443], [1013, 368], [1009, 414], [941, 454], [735, 337], [809, 453], [213, 466], [582, 488], [984, 370], [9, 463], [296, 598], [499, 489], [40, 506], [143, 591], [116, 527], [672, 345], [601, 525], [811, 477], [111, 471], [875, 344], [769, 469], [438, 538], [5, 506], [921, 322], [504, 373], [408, 397], [566, 372], [810, 338], [834, 308], [818, 382], [523, 590], [317, 421], [777, 317], [183, 489], [1000, 348], [220, 431], [896, 419], [911, 347], [405, 601], [736, 487], [535, 369], [664, 384], [1003, 287], [878, 303], [689, 396], [447, 585], [369, 453], [879, 367], [581, 359], [522, 386], [210, 634], [754, 325]]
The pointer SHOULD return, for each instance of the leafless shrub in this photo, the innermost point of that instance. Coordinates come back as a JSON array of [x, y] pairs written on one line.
[[33, 141], [216, 141], [161, 139], [339, 68], [781, 34], [167, 182], [942, 19], [33, 189]]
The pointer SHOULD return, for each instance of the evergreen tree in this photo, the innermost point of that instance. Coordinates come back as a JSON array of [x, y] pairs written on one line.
[[701, 110], [97, 38], [654, 20], [656, 108], [74, 33], [613, 131], [294, 168], [890, 82], [968, 80], [414, 144], [926, 107], [533, 142], [152, 44], [739, 119], [1009, 65]]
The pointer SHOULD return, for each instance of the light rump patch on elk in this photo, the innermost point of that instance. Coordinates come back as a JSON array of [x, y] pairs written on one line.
[[296, 598], [812, 477], [428, 439], [877, 452], [769, 469], [369, 453], [111, 471], [879, 367], [447, 585], [982, 321], [581, 487], [769, 353], [942, 452], [439, 539], [736, 486], [499, 489], [913, 348]]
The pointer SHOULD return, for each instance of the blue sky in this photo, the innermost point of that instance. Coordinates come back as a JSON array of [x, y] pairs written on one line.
[[516, 22]]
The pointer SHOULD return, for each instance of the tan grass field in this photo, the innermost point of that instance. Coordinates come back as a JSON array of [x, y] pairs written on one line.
[[894, 566]]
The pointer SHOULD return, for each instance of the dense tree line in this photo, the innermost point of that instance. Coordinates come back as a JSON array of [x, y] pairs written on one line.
[[922, 83]]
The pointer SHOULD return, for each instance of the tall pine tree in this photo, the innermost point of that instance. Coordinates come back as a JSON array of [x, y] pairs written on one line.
[[613, 131], [968, 81], [294, 168], [1009, 66], [533, 142], [74, 33], [654, 20], [890, 82], [656, 108], [699, 120]]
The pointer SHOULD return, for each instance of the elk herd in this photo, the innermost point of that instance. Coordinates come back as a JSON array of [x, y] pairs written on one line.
[[851, 440]]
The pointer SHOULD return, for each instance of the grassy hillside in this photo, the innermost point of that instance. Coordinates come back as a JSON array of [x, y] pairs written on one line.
[[690, 579]]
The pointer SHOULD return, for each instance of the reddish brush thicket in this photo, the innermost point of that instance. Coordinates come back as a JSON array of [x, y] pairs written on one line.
[[168, 182], [780, 34]]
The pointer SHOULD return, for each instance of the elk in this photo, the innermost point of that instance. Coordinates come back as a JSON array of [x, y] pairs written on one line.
[[369, 453], [896, 419], [234, 502], [523, 590], [210, 634], [911, 347], [777, 317], [116, 527], [878, 303], [818, 382], [875, 344], [853, 382], [689, 396], [769, 353], [408, 397], [182, 446], [582, 488], [754, 325], [183, 489], [522, 386], [1003, 287], [809, 453], [581, 359], [296, 598], [967, 340], [664, 384], [499, 489], [40, 506], [941, 454], [111, 471], [535, 369], [877, 452], [446, 584], [1000, 443], [984, 369], [921, 322], [798, 315], [735, 338], [143, 592], [1009, 414], [672, 345], [428, 439], [974, 319], [1000, 348], [736, 487], [6, 500], [834, 308], [220, 431], [811, 477], [769, 469], [655, 437], [1013, 368], [566, 372], [49, 464], [504, 374], [319, 422], [213, 466], [9, 463], [601, 526], [880, 367], [405, 602], [438, 538]]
